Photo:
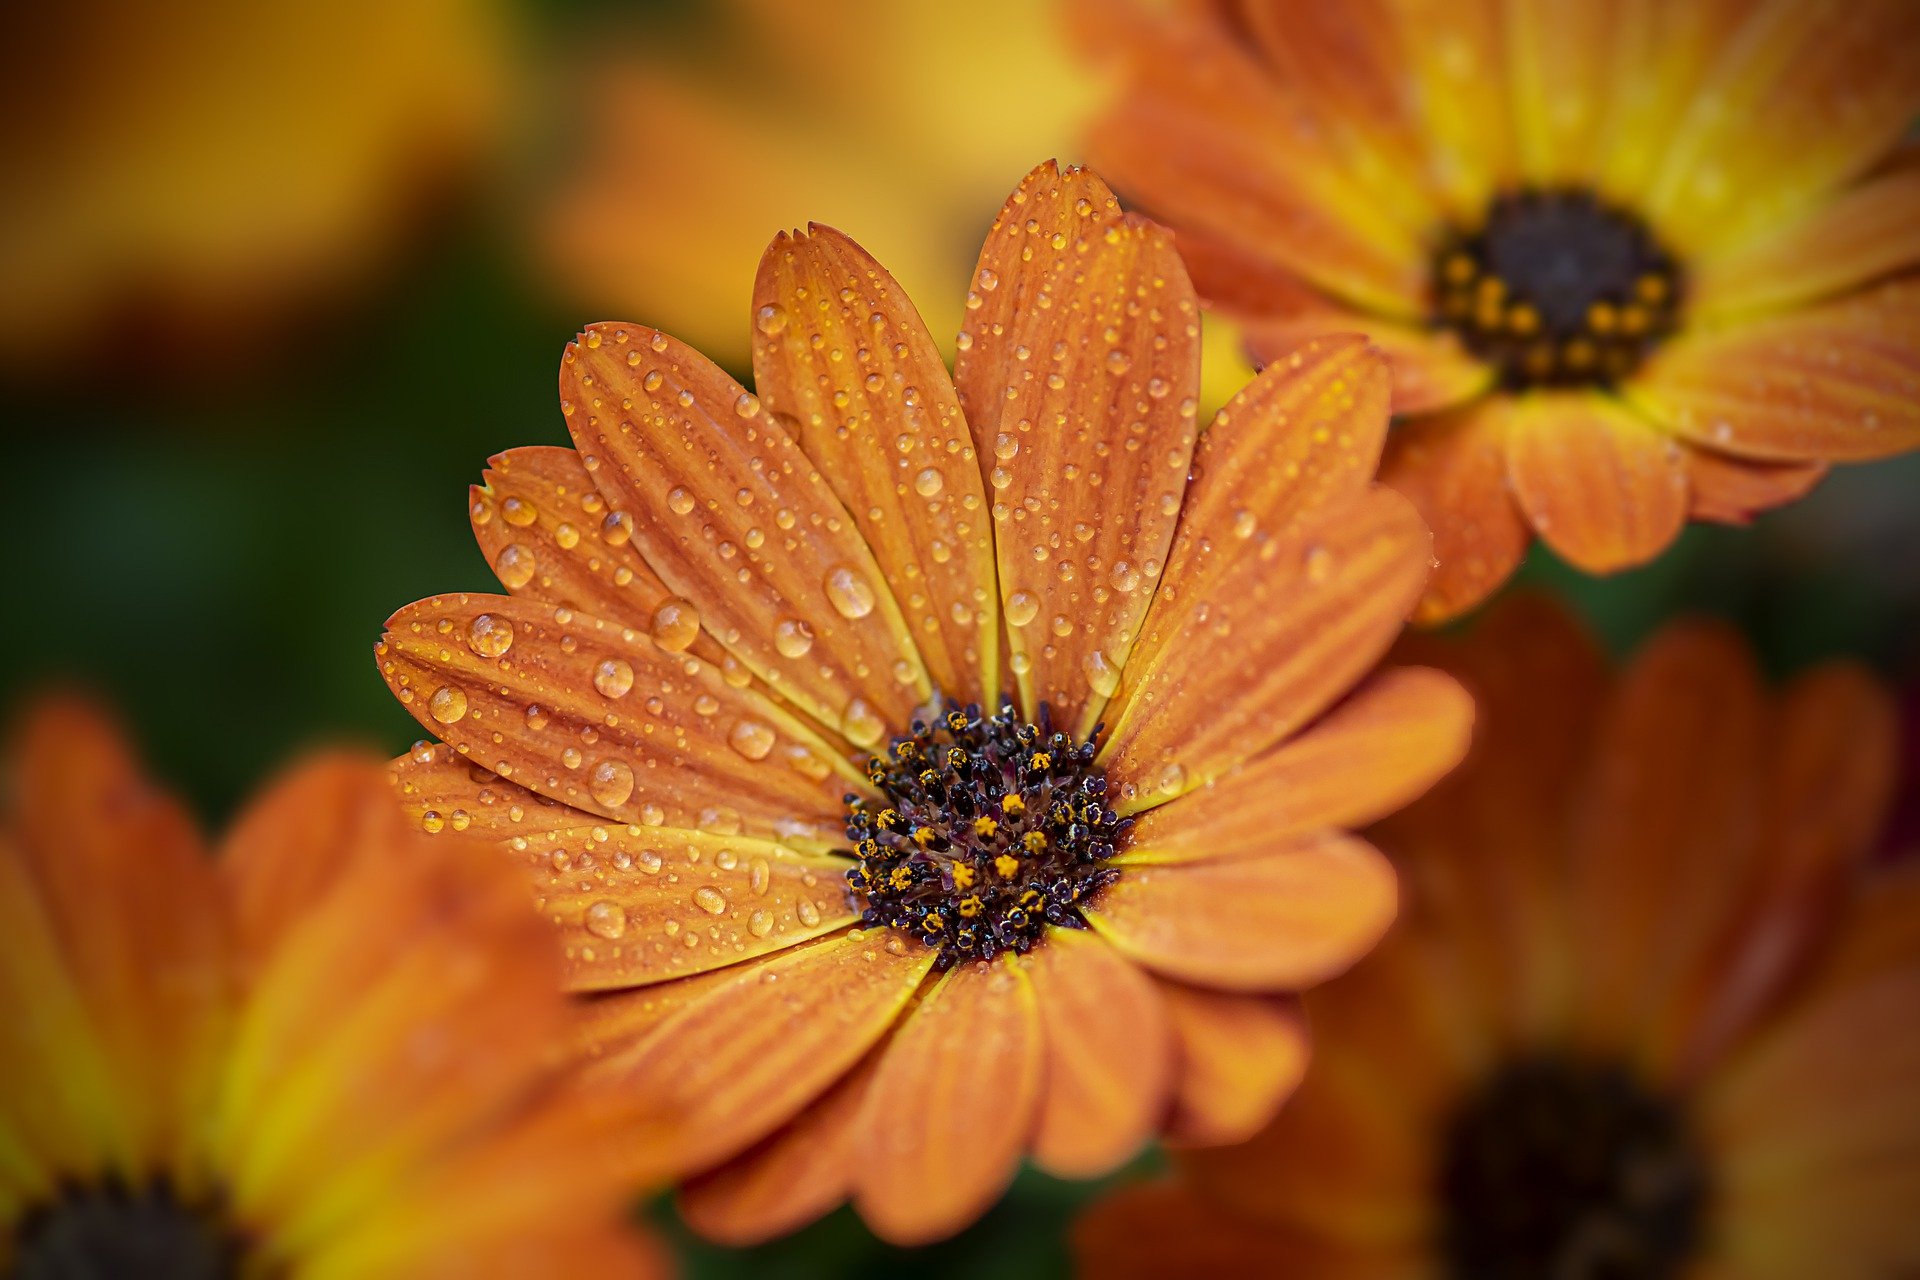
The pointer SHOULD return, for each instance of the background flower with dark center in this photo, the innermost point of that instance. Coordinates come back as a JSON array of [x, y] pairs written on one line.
[[329, 1053], [1632, 262], [1649, 1011], [747, 697]]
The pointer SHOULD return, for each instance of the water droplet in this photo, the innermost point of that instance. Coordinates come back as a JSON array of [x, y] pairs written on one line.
[[747, 405], [759, 874], [448, 704], [489, 636], [928, 483], [613, 677], [536, 717], [751, 739], [771, 319], [861, 724], [849, 593], [1102, 675], [792, 637], [1318, 562], [518, 511], [808, 913], [1124, 576], [679, 500], [1244, 524], [710, 900], [606, 919], [514, 566], [760, 924], [1022, 608], [610, 783], [676, 624]]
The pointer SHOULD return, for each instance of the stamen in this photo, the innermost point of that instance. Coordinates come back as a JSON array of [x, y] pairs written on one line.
[[1557, 288], [993, 830], [109, 1230]]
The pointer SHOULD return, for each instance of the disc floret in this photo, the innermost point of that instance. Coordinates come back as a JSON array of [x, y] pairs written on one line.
[[990, 830]]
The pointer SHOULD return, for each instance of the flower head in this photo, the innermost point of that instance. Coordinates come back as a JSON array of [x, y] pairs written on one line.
[[1630, 264], [951, 766], [328, 1053], [1647, 1011]]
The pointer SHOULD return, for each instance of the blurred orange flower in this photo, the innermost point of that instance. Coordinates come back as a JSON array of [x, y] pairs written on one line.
[[198, 165], [878, 982], [1648, 1011], [1632, 262], [326, 1054]]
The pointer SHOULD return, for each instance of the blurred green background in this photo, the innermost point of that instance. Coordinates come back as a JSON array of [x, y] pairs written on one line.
[[214, 533]]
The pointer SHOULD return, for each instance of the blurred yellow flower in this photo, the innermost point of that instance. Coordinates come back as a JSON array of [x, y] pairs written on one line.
[[192, 166]]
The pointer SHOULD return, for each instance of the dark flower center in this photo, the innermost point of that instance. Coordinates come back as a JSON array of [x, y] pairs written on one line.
[[1557, 288], [992, 829], [1571, 1170], [108, 1232]]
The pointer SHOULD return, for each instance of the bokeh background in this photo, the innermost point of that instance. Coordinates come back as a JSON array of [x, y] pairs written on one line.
[[275, 281]]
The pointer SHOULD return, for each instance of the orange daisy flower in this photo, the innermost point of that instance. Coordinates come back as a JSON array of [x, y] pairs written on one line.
[[1649, 1011], [325, 1054], [870, 975], [1632, 262]]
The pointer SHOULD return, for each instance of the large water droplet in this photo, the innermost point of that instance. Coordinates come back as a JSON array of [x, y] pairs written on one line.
[[518, 511], [514, 566], [861, 724], [606, 919], [1102, 675], [710, 900], [848, 592], [489, 636], [610, 783], [751, 739], [928, 483], [679, 500], [448, 704], [1022, 608], [613, 677], [792, 637], [760, 924], [676, 624]]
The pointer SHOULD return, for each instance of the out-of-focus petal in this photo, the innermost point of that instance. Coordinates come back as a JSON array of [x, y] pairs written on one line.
[[1238, 1058], [1109, 1056], [1255, 649], [1460, 95], [1431, 369], [1079, 373], [1453, 468], [1561, 66], [841, 351], [1838, 382], [952, 1105], [1602, 486], [1734, 490], [735, 518], [609, 722], [1378, 750], [1276, 922]]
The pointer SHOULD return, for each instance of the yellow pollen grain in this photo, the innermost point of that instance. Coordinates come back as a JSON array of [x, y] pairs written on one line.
[[985, 825], [962, 876], [1602, 318], [1041, 760], [900, 877], [1007, 865], [1012, 805], [1035, 841], [924, 836], [971, 906]]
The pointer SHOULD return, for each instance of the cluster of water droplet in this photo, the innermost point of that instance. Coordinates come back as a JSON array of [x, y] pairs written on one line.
[[993, 828]]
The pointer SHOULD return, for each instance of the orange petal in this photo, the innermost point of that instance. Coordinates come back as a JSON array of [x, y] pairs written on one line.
[[952, 1105], [548, 533], [840, 349], [736, 519], [791, 1178], [1259, 637], [1560, 57], [1453, 468], [638, 905], [1828, 786], [1734, 490], [1086, 322], [441, 790], [1238, 1058], [1666, 824], [1381, 748], [1209, 139], [1460, 96], [604, 719], [1109, 1056], [1665, 51], [1857, 237], [1837, 84], [1839, 382], [1603, 487], [745, 1057], [1431, 370], [1277, 922], [126, 886]]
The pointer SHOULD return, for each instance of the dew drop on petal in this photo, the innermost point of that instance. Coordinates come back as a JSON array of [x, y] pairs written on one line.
[[613, 677], [448, 704], [610, 783], [861, 724], [489, 636], [514, 566], [808, 913], [751, 739], [1022, 608], [710, 900], [760, 924], [928, 483], [1101, 674], [679, 500], [676, 624], [606, 919], [792, 637], [849, 593]]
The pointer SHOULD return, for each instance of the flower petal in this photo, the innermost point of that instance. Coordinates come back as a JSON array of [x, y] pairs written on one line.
[[549, 533], [735, 518], [791, 1178], [1241, 652], [753, 1050], [1560, 57], [442, 790], [1086, 322], [1209, 139], [605, 720], [1239, 1058], [1603, 487], [951, 1106], [1838, 85], [1460, 96], [1109, 1056], [1859, 236], [1386, 744], [840, 349], [1453, 468], [1734, 490], [1665, 51], [1277, 922], [1431, 369], [1839, 382]]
